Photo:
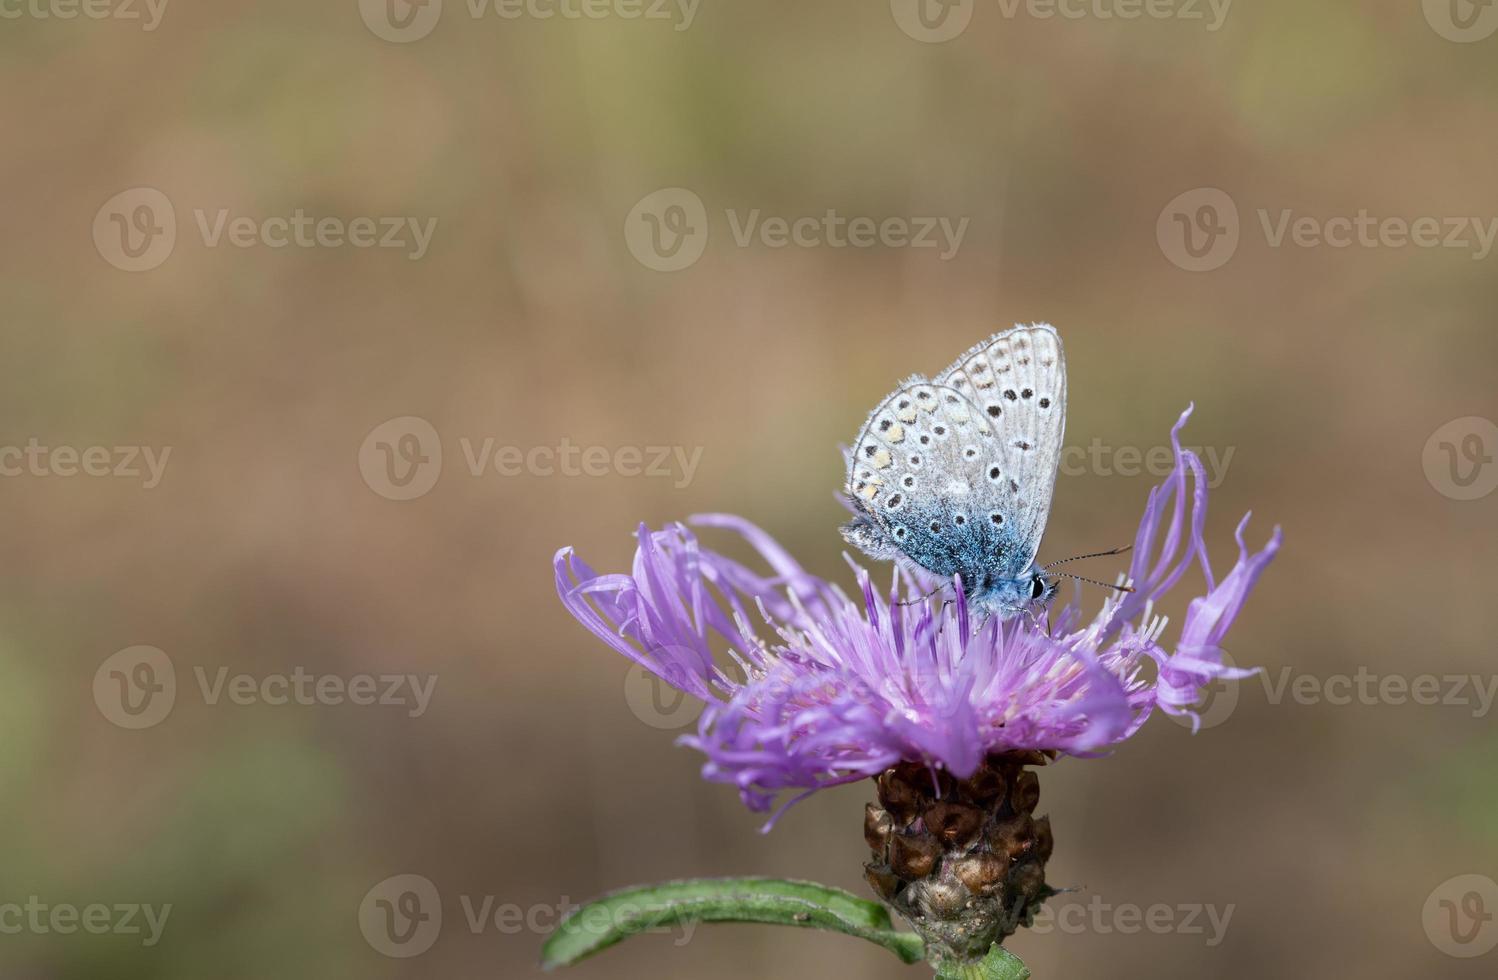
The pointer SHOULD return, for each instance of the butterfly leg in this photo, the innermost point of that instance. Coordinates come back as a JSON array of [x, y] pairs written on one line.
[[941, 615], [1035, 620], [912, 602]]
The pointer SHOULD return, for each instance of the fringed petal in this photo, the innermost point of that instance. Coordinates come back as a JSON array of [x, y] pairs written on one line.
[[819, 689]]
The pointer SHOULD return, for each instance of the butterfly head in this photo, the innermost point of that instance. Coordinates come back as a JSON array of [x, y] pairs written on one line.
[[1007, 597]]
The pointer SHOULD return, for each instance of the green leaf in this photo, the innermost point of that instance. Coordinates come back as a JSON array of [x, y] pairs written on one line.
[[613, 918], [999, 964]]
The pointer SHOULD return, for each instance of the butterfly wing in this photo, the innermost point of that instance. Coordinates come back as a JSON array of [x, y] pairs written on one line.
[[930, 476], [1017, 381]]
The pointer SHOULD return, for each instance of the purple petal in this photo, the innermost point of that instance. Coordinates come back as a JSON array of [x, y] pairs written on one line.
[[818, 688]]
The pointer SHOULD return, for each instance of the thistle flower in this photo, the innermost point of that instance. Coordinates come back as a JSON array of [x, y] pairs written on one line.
[[945, 712]]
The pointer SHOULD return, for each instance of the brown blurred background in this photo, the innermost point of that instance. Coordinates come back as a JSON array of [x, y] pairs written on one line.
[[541, 770]]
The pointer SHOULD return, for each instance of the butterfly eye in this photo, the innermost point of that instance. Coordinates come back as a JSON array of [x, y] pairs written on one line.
[[1037, 587]]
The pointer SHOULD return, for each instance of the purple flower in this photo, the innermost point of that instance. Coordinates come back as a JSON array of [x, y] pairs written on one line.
[[807, 687]]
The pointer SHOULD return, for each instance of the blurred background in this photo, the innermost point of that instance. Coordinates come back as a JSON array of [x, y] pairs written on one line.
[[306, 303]]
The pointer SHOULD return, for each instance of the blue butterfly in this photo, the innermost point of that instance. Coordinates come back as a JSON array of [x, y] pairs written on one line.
[[955, 473]]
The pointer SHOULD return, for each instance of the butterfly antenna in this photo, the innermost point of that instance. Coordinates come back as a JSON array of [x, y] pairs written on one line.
[[1093, 581], [1095, 554]]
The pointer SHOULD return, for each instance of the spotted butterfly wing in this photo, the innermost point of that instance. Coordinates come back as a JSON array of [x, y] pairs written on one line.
[[927, 476], [1017, 381]]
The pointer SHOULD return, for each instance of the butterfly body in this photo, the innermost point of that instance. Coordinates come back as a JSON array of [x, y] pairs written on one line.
[[954, 474]]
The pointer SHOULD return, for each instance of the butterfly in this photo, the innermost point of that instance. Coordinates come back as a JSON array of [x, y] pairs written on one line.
[[955, 473]]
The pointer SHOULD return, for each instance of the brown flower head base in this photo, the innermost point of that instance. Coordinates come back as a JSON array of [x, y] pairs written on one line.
[[963, 860]]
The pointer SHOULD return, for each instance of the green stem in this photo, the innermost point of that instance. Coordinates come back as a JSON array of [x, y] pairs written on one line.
[[613, 918], [999, 964]]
